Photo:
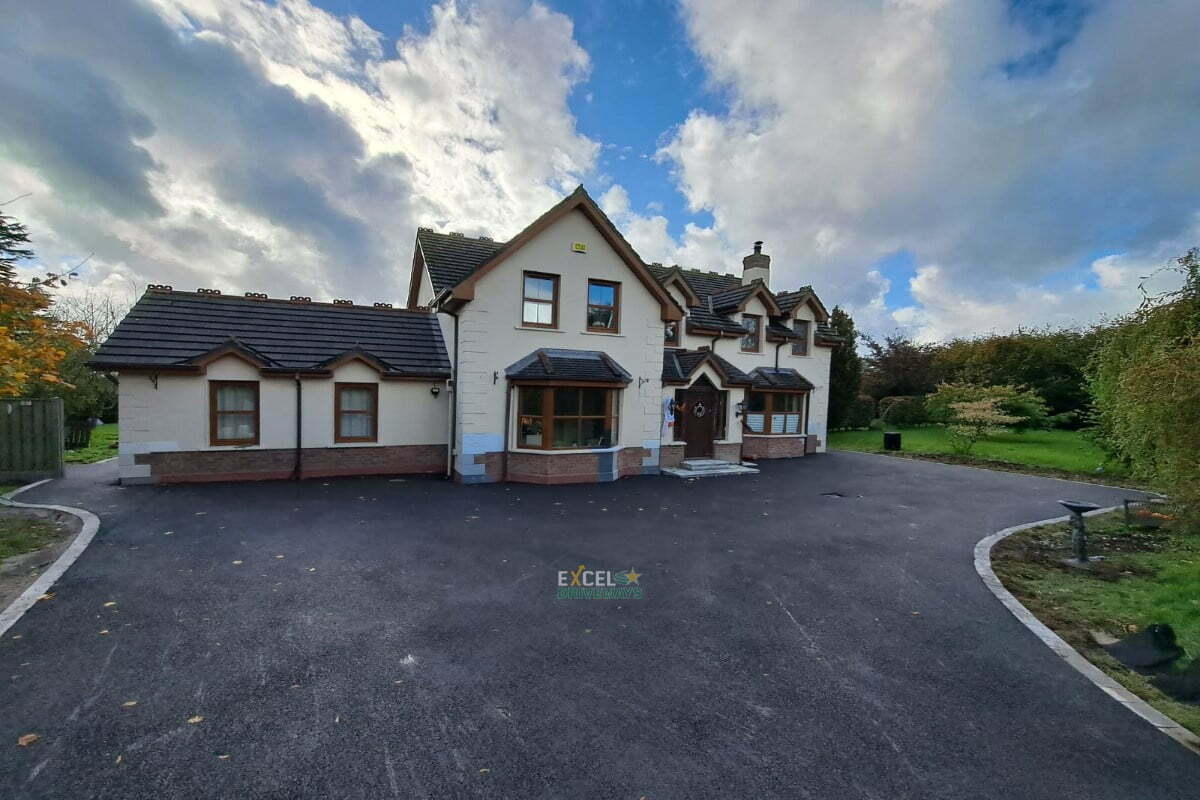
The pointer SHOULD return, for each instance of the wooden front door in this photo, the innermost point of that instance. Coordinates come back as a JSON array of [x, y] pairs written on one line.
[[696, 416]]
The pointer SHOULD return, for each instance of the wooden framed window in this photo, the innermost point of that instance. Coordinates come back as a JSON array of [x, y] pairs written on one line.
[[539, 300], [775, 412], [603, 306], [800, 346], [355, 412], [752, 340], [566, 417], [233, 413], [671, 333]]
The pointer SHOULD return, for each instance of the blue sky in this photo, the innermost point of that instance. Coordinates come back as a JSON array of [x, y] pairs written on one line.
[[939, 168]]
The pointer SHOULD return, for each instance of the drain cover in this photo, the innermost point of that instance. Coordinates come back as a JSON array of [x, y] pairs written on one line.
[[832, 494]]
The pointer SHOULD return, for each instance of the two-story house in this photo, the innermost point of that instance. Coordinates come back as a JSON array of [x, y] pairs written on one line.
[[557, 356]]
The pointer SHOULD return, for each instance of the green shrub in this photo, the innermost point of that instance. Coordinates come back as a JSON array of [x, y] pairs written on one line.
[[860, 413], [1024, 404], [903, 410]]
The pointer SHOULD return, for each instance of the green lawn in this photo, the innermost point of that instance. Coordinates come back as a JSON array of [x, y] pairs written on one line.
[[1148, 577], [1066, 451], [19, 534], [101, 447]]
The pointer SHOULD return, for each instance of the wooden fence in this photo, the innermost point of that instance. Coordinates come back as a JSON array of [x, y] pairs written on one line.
[[31, 439]]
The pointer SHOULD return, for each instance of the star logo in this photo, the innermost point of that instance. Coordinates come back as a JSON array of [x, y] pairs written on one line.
[[631, 577]]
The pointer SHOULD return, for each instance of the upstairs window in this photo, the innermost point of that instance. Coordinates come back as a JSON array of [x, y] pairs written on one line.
[[800, 346], [603, 306], [671, 333], [753, 337], [356, 412], [232, 413], [539, 307]]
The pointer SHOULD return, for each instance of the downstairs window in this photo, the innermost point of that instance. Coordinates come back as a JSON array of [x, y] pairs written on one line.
[[775, 412], [566, 417]]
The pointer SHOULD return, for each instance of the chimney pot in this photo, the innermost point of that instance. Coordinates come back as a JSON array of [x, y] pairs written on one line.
[[758, 246]]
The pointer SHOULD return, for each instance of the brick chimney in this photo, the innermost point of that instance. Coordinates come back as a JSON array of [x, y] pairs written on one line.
[[757, 266]]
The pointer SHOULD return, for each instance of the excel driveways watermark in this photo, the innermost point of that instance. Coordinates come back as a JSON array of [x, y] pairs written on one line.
[[582, 583]]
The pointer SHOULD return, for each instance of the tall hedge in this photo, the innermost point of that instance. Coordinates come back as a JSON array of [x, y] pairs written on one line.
[[1145, 381]]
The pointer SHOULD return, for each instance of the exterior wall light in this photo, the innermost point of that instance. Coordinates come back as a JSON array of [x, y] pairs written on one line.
[[741, 409], [435, 390]]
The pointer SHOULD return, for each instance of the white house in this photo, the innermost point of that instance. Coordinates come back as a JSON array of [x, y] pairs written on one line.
[[558, 356]]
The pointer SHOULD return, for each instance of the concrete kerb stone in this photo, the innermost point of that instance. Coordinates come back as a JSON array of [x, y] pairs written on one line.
[[90, 524], [983, 566]]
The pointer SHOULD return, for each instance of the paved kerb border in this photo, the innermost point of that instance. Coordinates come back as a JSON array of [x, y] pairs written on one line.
[[90, 524], [983, 565]]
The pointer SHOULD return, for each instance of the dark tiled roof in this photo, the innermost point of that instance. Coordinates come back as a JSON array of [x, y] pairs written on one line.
[[789, 300], [707, 320], [678, 366], [552, 364], [175, 329], [772, 378], [451, 257], [725, 301], [779, 330], [827, 334]]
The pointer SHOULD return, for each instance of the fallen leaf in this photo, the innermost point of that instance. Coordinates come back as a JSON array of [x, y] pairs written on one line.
[[237, 562], [484, 771], [28, 739], [223, 756], [119, 759], [47, 596], [279, 556], [17, 635], [195, 719], [201, 513], [129, 703], [167, 533], [110, 604], [104, 632], [312, 569]]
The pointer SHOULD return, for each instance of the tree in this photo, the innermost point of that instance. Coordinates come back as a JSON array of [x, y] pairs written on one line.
[[14, 247], [33, 343], [1024, 404], [974, 420], [899, 366], [845, 370]]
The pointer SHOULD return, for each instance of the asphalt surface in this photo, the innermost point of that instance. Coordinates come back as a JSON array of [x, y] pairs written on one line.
[[409, 644]]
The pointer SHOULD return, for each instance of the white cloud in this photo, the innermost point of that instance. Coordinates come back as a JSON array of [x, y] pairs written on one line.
[[274, 146], [874, 127]]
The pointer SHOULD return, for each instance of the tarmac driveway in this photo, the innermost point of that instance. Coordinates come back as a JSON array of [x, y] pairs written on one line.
[[374, 638]]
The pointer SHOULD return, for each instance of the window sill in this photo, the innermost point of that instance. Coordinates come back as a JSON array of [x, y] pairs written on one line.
[[538, 330], [749, 435], [602, 333], [577, 451]]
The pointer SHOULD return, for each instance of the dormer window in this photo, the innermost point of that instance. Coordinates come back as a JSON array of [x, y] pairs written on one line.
[[539, 306], [800, 346], [753, 337]]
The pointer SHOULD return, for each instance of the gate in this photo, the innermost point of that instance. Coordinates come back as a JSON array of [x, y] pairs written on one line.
[[31, 439]]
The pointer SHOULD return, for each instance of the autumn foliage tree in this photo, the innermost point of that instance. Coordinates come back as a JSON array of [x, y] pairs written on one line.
[[33, 343]]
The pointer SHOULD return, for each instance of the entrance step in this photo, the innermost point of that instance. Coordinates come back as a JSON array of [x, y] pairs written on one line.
[[707, 468]]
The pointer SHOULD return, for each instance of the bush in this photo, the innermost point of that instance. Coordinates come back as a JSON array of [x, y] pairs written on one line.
[[903, 410], [1025, 405], [860, 412]]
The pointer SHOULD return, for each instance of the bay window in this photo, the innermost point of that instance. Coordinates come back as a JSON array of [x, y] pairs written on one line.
[[566, 417], [775, 412]]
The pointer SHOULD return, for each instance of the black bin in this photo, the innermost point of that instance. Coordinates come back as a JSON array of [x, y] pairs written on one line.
[[891, 440]]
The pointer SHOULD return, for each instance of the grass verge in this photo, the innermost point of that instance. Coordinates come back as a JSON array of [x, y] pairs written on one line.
[[102, 446], [20, 534], [1148, 576], [1063, 454]]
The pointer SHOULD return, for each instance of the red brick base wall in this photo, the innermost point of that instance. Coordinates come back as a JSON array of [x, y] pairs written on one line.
[[670, 455], [250, 465], [730, 451], [755, 447], [629, 461]]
